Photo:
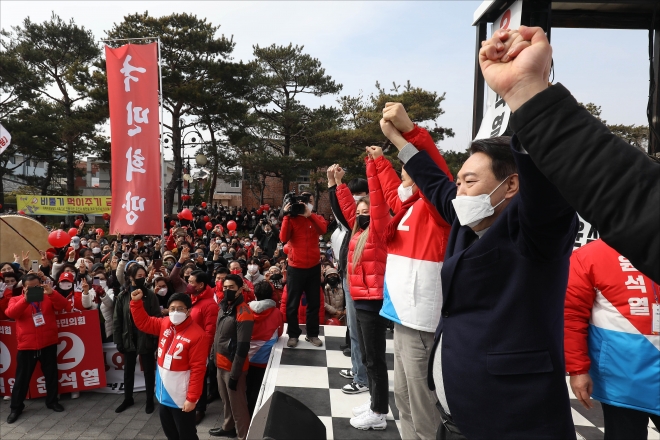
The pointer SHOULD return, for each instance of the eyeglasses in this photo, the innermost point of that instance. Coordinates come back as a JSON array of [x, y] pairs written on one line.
[[178, 309]]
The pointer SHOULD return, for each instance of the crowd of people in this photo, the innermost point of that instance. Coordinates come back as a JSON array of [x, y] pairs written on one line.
[[474, 273]]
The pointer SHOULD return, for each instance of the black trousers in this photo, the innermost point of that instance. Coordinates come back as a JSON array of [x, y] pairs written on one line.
[[297, 282], [212, 373], [371, 329], [255, 377], [26, 361], [177, 425], [627, 424], [148, 362]]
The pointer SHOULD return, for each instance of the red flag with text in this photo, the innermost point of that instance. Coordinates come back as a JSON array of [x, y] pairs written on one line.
[[135, 144]]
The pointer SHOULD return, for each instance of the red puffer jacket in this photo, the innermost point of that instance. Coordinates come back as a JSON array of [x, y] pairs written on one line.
[[367, 279], [302, 309], [205, 312], [28, 336], [302, 235]]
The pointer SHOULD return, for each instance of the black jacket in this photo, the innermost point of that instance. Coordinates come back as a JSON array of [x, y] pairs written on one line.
[[502, 314], [613, 185], [267, 242], [342, 258], [125, 333]]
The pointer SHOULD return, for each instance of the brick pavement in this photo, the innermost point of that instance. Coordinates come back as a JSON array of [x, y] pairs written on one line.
[[92, 416]]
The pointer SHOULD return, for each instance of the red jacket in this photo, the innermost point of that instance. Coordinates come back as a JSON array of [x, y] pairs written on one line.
[[28, 336], [205, 312], [188, 345], [302, 235], [4, 302], [367, 279], [302, 309]]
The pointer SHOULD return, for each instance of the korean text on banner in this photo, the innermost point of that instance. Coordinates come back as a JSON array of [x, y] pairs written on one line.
[[135, 146], [80, 364], [63, 205], [496, 118], [5, 139]]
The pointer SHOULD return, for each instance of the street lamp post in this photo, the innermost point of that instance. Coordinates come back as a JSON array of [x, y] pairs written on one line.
[[200, 159]]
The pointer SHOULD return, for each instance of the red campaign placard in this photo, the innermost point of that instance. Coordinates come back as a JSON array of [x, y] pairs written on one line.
[[8, 349], [135, 146]]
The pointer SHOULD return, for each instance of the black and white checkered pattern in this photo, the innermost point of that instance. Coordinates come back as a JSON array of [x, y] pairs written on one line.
[[311, 375]]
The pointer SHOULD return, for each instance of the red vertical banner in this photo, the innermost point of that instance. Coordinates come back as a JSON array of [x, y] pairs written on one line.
[[135, 143]]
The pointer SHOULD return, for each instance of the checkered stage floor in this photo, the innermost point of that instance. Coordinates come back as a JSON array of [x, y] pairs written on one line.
[[311, 375]]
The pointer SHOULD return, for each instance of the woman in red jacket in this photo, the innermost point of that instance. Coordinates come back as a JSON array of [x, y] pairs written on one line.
[[367, 257]]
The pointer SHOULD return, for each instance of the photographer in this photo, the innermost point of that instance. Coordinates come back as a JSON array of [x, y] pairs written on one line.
[[301, 229], [268, 236]]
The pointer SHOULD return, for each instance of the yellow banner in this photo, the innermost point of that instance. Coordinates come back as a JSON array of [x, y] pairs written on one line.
[[63, 205]]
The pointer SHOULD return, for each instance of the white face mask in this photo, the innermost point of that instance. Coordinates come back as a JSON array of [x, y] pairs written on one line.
[[471, 210], [177, 317], [310, 207], [253, 268], [405, 192], [65, 285], [96, 250], [358, 198], [223, 248], [142, 263], [162, 292]]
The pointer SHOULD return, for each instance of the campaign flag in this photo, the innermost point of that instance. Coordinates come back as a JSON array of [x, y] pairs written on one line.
[[5, 139], [132, 72]]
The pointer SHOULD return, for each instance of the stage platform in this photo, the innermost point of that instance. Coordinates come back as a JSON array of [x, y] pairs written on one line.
[[311, 375]]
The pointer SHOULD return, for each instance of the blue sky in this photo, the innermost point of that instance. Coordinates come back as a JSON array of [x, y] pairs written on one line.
[[429, 43]]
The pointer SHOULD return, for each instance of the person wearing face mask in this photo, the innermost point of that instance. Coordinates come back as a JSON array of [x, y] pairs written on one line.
[[69, 288], [503, 280], [36, 334], [132, 342], [301, 233], [267, 236], [99, 296], [367, 256], [230, 352], [334, 296], [8, 281], [417, 239], [164, 291], [253, 274], [181, 366], [340, 239], [204, 311]]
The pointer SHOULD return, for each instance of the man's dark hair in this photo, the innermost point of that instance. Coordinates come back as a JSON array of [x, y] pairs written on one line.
[[256, 261], [201, 277], [13, 275], [30, 277], [185, 299], [499, 150], [235, 278], [221, 270], [263, 290], [358, 185]]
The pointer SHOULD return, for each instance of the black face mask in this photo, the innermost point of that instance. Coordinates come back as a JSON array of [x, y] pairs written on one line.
[[333, 281], [139, 282], [276, 277], [363, 221], [230, 295]]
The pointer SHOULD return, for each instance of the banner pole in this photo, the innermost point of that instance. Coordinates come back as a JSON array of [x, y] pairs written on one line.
[[162, 148]]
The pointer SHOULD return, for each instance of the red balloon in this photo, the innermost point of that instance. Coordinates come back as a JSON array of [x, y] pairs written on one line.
[[206, 218], [73, 232], [209, 226], [172, 223], [59, 238], [21, 212], [267, 207], [106, 216], [259, 211], [186, 214], [100, 232], [231, 225], [203, 204], [199, 232], [77, 222]]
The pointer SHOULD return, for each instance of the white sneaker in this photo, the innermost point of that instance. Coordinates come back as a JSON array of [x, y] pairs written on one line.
[[75, 394], [6, 398], [359, 410], [354, 388], [369, 420]]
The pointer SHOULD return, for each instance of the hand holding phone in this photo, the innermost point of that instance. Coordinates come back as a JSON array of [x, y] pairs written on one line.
[[35, 294]]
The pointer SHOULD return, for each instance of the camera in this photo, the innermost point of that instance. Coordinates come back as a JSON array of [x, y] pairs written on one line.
[[298, 203]]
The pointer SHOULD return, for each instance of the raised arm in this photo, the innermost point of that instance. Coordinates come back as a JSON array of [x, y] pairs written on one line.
[[378, 211], [144, 322]]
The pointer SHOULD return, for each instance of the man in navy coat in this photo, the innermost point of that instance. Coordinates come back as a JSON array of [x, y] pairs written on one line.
[[498, 364]]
